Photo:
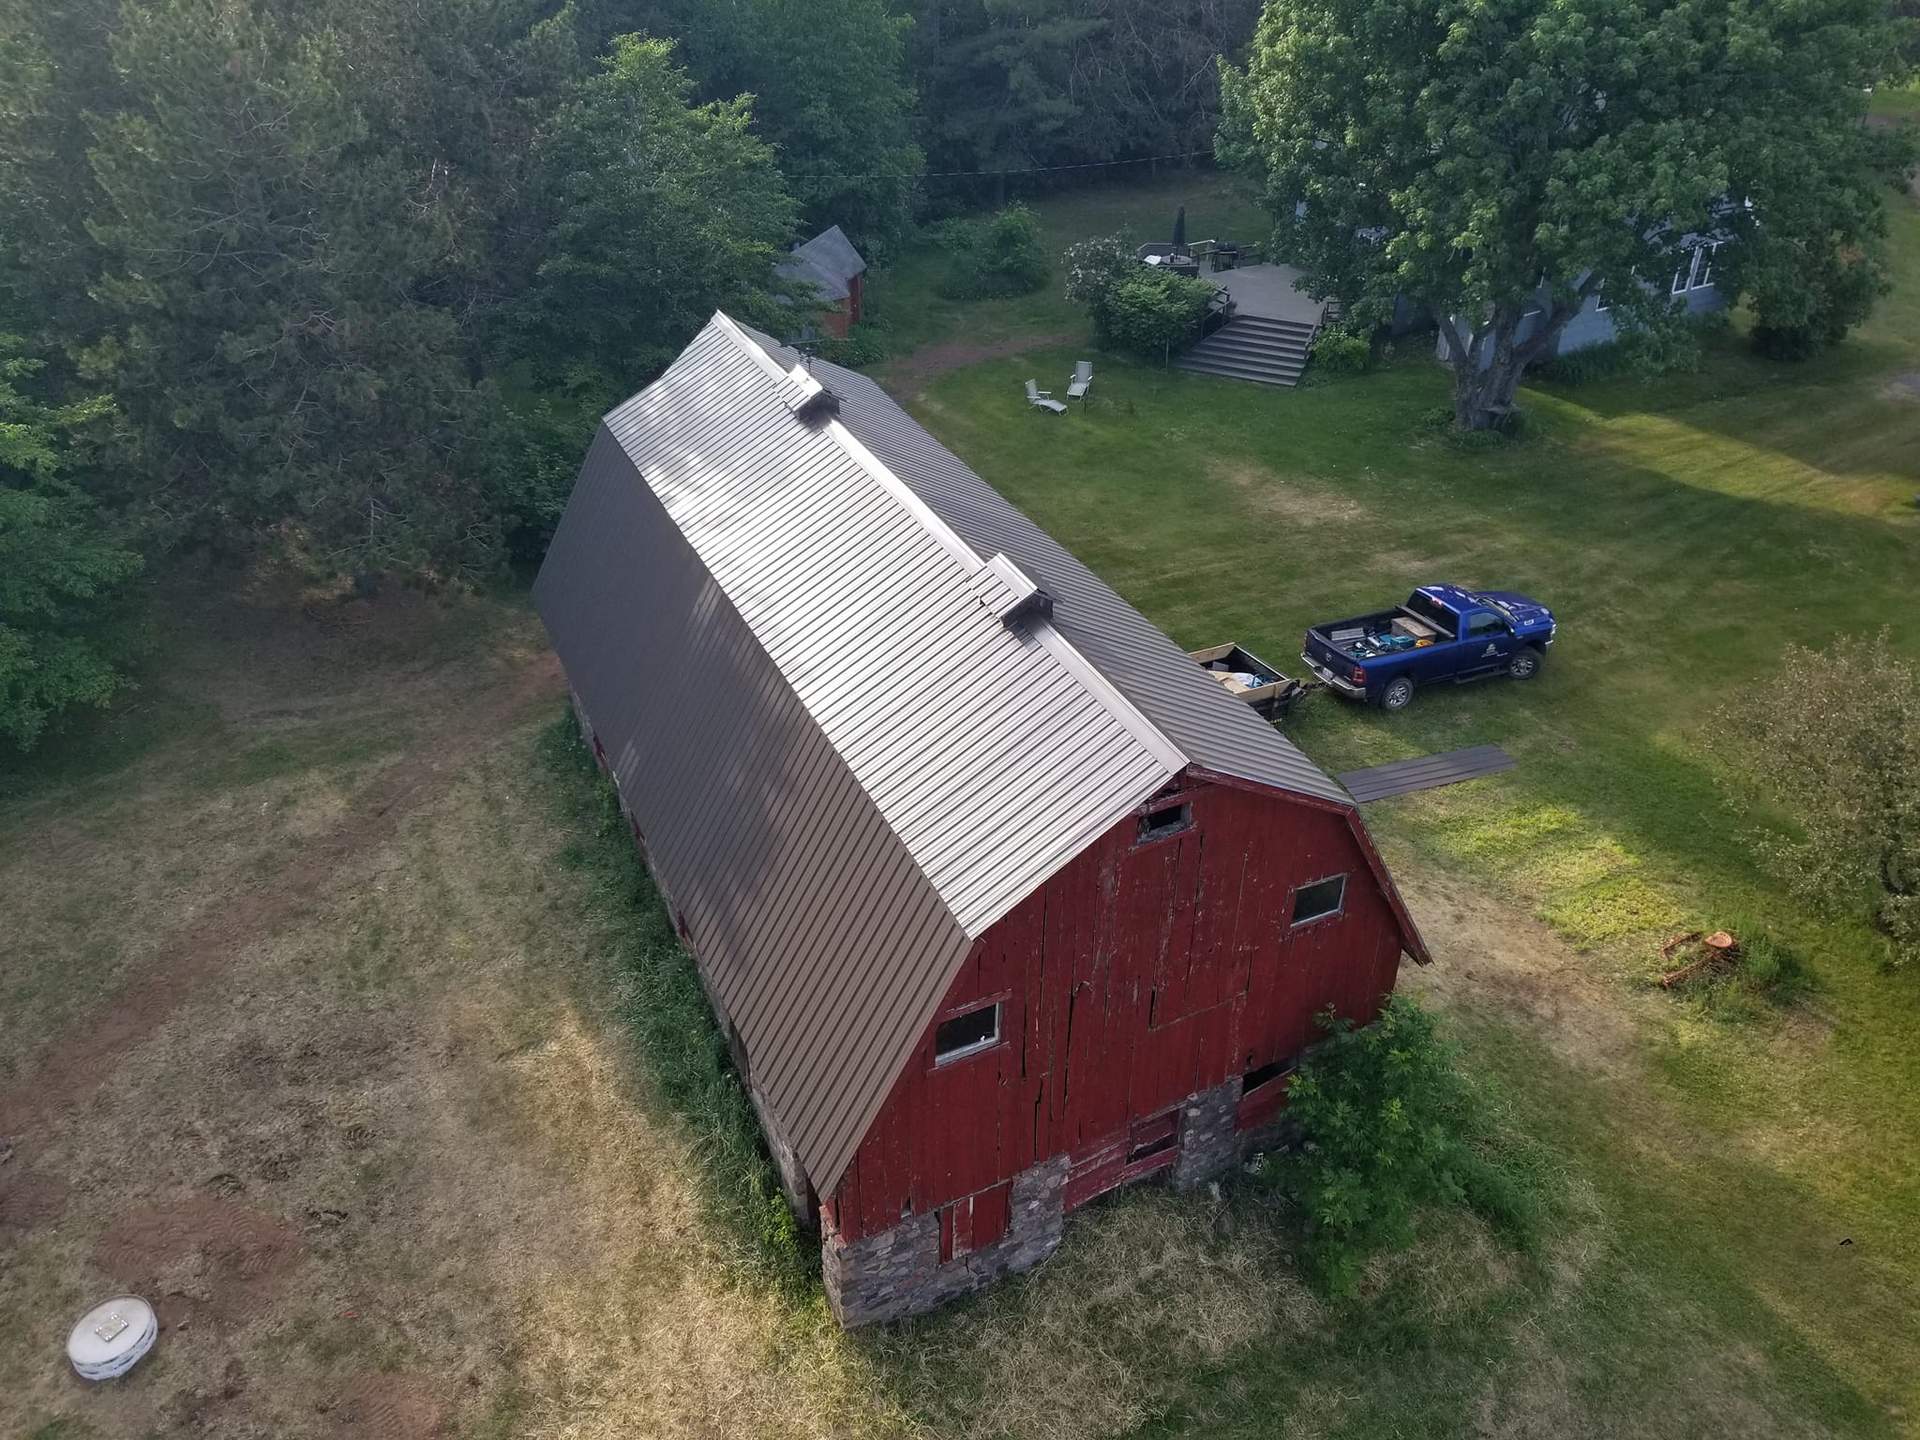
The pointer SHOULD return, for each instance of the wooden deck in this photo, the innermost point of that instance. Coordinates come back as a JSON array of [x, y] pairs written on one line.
[[1266, 291], [1425, 772]]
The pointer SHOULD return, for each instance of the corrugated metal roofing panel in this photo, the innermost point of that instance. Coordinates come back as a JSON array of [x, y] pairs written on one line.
[[845, 765], [760, 833], [864, 602], [1156, 676]]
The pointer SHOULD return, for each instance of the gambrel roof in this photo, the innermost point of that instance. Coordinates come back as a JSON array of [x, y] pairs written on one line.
[[819, 653]]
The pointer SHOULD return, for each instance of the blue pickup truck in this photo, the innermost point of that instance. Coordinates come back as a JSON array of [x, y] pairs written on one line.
[[1443, 634]]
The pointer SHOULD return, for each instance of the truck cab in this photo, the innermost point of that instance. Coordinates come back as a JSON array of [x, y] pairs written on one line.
[[1441, 634]]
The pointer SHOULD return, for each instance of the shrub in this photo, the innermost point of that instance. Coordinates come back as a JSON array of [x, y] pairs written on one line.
[[1151, 311], [1388, 1124], [1133, 306], [1596, 362], [1834, 740], [1095, 266], [1337, 351], [1001, 255], [863, 345]]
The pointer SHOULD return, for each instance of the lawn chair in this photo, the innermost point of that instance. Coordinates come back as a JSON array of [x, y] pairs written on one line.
[[1043, 399], [1082, 380]]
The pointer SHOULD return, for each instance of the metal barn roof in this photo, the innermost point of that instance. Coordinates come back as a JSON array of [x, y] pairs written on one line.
[[737, 579], [1213, 729], [859, 706], [828, 261]]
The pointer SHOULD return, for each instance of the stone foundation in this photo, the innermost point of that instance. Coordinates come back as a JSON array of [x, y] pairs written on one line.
[[899, 1271], [1209, 1145]]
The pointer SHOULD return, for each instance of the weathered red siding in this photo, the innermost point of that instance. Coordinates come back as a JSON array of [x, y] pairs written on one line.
[[1142, 973], [837, 319]]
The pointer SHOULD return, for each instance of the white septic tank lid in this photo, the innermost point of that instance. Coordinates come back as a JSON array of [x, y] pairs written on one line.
[[109, 1339]]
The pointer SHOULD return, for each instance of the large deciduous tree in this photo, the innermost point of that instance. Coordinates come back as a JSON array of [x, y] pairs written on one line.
[[1461, 153], [656, 212]]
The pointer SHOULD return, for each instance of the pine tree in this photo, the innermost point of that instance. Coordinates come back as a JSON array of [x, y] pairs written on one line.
[[268, 261]]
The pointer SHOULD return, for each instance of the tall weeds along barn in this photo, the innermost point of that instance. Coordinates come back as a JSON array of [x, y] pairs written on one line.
[[1001, 900]]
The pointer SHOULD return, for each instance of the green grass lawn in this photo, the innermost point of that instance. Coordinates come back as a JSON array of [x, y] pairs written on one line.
[[1896, 102], [904, 300], [1685, 531]]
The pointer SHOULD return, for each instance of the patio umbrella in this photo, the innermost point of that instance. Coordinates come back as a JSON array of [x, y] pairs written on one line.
[[1180, 228]]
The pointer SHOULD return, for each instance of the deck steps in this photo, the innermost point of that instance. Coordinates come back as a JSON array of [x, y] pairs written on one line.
[[1252, 347]]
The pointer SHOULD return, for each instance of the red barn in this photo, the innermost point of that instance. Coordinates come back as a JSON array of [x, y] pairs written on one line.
[[1000, 899], [834, 270]]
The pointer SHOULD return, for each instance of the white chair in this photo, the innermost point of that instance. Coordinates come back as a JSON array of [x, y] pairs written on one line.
[[1082, 380], [1043, 399]]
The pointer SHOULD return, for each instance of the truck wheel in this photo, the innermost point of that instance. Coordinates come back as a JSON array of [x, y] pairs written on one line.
[[1398, 694], [1524, 663]]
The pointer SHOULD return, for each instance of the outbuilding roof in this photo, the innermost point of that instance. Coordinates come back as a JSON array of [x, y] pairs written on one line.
[[828, 262], [859, 706]]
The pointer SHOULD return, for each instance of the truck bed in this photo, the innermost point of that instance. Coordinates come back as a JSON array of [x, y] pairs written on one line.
[[1367, 637]]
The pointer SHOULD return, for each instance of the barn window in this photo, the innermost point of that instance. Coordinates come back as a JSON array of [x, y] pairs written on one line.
[[1169, 821], [1322, 897], [967, 1034]]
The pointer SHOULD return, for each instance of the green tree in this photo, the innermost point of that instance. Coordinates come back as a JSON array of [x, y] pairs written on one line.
[[1460, 155], [63, 577], [54, 68], [829, 87], [267, 261], [1041, 83], [656, 212], [997, 82]]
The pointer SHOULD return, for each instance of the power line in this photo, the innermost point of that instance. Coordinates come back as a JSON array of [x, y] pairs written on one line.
[[1030, 170]]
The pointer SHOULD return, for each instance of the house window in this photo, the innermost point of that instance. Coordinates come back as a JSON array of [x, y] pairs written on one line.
[[1703, 265], [1697, 273], [967, 1034], [1169, 821], [1323, 897], [1600, 301]]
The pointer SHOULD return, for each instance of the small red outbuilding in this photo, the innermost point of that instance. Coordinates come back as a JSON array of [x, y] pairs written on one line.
[[835, 275], [1001, 900]]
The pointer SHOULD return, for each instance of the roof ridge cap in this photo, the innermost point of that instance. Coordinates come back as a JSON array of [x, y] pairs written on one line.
[[1091, 677]]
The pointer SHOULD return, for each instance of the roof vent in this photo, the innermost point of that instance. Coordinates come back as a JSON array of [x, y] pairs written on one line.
[[805, 396], [1009, 592]]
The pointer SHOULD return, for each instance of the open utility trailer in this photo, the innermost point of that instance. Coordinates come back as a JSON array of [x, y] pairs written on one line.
[[1244, 674]]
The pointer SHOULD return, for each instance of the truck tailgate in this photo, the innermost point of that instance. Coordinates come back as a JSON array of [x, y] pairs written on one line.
[[1321, 651]]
